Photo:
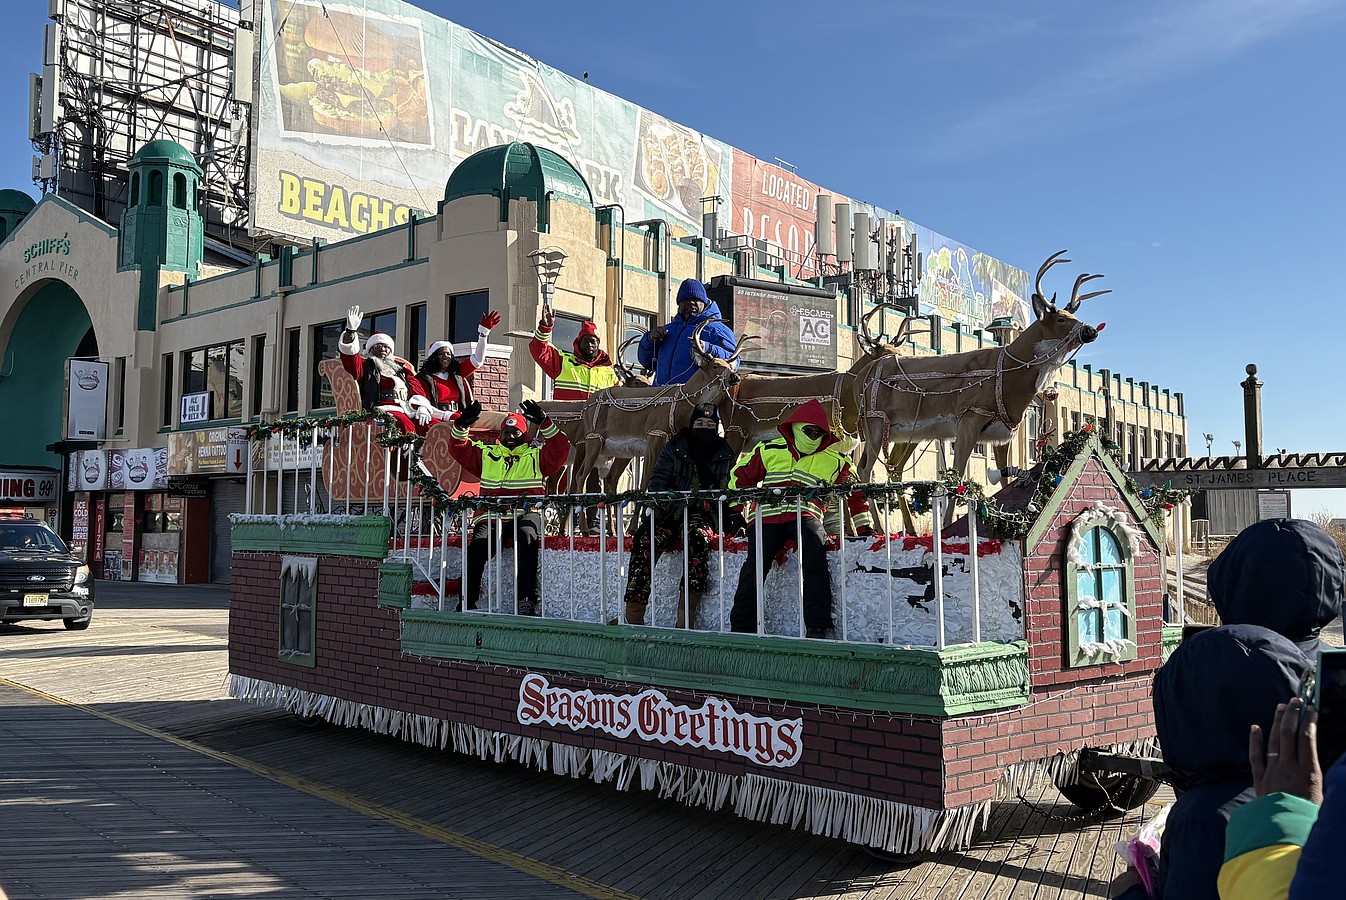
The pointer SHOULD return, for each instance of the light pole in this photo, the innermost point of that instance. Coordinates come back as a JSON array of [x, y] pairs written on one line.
[[1238, 448], [548, 261], [1210, 439]]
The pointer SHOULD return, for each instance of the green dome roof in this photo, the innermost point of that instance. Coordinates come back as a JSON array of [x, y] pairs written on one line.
[[16, 202], [517, 171], [166, 151]]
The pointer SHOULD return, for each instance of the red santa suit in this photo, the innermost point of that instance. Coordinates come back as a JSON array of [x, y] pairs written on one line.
[[443, 394], [383, 385]]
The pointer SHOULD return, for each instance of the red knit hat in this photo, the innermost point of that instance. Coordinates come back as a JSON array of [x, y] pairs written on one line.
[[515, 420]]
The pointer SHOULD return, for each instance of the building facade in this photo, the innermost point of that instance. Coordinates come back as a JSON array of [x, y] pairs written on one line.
[[195, 352]]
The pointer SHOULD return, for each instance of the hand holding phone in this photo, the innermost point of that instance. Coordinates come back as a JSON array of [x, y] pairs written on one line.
[[1290, 761], [1329, 699]]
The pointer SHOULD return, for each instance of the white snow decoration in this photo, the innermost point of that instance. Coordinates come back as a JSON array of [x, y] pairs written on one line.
[[1100, 514], [588, 586], [301, 568], [1109, 649], [293, 521]]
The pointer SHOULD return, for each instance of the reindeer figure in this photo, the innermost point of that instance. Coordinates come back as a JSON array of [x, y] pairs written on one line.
[[970, 397], [631, 422]]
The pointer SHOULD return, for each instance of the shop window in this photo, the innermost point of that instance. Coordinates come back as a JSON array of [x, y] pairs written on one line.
[[135, 188], [465, 312], [115, 517], [1100, 588], [156, 197], [219, 370], [298, 592], [326, 345]]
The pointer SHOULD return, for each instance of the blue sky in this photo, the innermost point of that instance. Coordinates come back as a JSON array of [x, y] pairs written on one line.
[[1191, 150]]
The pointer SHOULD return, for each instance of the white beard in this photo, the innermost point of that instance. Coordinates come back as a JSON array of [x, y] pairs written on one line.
[[386, 367]]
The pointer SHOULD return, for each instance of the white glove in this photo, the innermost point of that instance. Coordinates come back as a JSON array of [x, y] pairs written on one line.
[[422, 415], [442, 415], [353, 318]]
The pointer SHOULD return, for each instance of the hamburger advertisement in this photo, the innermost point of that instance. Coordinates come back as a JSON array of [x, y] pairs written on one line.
[[354, 76]]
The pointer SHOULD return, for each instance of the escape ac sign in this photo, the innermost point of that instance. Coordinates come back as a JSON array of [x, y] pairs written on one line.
[[649, 715]]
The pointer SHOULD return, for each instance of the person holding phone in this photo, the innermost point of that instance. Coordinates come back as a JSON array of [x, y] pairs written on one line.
[[1287, 842], [1214, 687]]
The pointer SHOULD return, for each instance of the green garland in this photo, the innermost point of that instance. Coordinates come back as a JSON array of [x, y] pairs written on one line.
[[920, 496]]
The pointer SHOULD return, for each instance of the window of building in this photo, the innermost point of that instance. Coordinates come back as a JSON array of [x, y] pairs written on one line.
[[1144, 443], [135, 188], [292, 371], [219, 370], [465, 311], [416, 337], [1179, 445], [156, 197], [1033, 428], [258, 368], [169, 413], [1074, 421], [119, 379], [180, 190], [327, 345], [1101, 599], [298, 592], [637, 323], [1131, 455]]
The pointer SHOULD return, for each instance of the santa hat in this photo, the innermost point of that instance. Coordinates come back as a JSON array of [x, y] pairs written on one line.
[[436, 347], [377, 338], [516, 421]]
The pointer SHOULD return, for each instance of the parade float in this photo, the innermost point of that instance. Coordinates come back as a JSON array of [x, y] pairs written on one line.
[[1013, 642]]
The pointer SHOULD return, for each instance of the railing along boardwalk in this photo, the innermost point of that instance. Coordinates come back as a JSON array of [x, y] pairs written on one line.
[[143, 663]]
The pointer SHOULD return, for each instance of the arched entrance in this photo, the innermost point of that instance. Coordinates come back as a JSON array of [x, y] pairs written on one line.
[[53, 326]]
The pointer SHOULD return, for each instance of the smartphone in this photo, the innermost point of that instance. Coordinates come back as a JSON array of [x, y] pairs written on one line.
[[1191, 630], [1329, 697]]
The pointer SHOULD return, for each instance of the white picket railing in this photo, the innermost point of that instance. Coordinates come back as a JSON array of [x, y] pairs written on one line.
[[892, 589]]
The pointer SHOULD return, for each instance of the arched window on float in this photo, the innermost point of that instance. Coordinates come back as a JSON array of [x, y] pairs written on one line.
[[1100, 588]]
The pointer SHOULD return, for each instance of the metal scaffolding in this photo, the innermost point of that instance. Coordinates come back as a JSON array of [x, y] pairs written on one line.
[[133, 71]]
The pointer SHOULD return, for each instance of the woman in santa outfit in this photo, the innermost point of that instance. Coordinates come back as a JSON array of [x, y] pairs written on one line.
[[441, 388]]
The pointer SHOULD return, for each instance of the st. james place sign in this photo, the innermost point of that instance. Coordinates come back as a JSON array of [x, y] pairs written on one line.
[[1244, 479]]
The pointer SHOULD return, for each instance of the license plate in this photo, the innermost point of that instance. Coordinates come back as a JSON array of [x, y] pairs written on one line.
[[35, 599]]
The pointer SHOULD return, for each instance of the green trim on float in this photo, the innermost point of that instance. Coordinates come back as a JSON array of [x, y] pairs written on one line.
[[954, 681], [395, 585], [365, 536]]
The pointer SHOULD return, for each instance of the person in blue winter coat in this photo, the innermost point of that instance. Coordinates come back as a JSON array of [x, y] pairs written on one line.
[[667, 350]]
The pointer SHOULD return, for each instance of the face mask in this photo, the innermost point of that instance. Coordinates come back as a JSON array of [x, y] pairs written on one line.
[[803, 443], [704, 435]]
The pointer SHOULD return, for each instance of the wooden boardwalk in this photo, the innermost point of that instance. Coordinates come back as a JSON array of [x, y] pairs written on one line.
[[147, 781]]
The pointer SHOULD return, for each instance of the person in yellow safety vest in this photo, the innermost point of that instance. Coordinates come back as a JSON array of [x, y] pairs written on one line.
[[510, 467], [801, 457], [574, 375]]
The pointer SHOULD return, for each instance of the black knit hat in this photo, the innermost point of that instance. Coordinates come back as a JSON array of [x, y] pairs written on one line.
[[705, 411]]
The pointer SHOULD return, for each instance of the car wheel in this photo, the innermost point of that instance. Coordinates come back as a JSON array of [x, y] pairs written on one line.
[[1110, 793], [78, 624]]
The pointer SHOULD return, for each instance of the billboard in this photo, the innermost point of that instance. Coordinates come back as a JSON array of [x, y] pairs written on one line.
[[363, 110], [796, 329], [138, 469], [770, 203], [86, 400], [965, 285]]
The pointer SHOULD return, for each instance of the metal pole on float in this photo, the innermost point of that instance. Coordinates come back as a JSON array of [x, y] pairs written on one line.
[[649, 598], [542, 558], [603, 562], [296, 473], [280, 475], [974, 571], [719, 515], [799, 554], [842, 569], [443, 556], [686, 598], [937, 509], [313, 473], [467, 602], [248, 480], [888, 550], [761, 588], [1178, 541]]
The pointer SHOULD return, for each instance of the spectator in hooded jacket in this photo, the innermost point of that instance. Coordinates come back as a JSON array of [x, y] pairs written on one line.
[[1282, 574], [1213, 689], [667, 350]]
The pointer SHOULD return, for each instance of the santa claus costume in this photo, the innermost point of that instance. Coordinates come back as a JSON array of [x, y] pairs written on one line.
[[383, 378], [441, 387]]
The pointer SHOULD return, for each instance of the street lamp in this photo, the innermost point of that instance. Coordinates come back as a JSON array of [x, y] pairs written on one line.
[[548, 261], [1210, 439], [1238, 448]]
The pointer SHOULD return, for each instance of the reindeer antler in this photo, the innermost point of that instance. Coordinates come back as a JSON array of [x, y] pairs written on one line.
[[1076, 299], [619, 358], [740, 345], [1052, 260]]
